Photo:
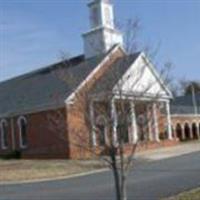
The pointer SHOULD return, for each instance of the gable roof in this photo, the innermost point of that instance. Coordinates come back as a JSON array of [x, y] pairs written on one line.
[[50, 87], [45, 88], [107, 82], [157, 75], [120, 68], [185, 105], [106, 58]]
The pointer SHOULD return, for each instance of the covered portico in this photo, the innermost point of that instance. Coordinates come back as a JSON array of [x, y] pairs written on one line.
[[134, 82], [185, 112], [144, 121]]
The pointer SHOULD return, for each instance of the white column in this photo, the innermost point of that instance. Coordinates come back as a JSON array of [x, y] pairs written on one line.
[[133, 123], [114, 121], [198, 131], [93, 127], [174, 132], [191, 132], [13, 134], [155, 119], [183, 132], [169, 122], [149, 118]]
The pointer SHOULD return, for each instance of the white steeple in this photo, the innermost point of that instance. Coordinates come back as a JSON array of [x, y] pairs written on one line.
[[103, 34], [101, 14]]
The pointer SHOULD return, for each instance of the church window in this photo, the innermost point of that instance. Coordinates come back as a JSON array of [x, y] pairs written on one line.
[[22, 123], [4, 134]]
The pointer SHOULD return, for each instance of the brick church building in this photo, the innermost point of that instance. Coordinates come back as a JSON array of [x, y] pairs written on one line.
[[41, 114]]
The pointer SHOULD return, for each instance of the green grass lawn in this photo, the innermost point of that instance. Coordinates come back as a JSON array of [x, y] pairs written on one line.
[[191, 195], [23, 170]]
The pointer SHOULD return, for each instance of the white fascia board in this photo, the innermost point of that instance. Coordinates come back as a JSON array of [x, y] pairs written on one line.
[[69, 100], [143, 98], [135, 63], [185, 115], [151, 66]]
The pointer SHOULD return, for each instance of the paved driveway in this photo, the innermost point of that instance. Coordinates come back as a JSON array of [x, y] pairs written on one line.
[[148, 181]]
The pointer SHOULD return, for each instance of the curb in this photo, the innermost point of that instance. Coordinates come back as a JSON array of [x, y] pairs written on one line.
[[152, 158], [54, 179]]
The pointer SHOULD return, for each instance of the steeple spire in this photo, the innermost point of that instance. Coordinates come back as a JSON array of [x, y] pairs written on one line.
[[103, 34]]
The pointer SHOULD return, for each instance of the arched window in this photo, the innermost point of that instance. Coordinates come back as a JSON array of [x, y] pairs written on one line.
[[22, 123], [101, 130], [4, 134], [101, 134]]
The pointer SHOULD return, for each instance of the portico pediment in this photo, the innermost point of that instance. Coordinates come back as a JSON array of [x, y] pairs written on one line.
[[142, 79]]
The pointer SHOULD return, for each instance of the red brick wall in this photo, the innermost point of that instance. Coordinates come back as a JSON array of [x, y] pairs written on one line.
[[189, 120], [182, 119], [49, 139], [162, 122], [64, 133], [78, 114], [46, 137]]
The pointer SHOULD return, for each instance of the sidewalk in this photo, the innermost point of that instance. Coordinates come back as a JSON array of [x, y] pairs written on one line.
[[168, 152]]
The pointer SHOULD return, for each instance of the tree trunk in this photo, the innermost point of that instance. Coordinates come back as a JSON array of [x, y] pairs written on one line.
[[123, 188], [122, 175], [117, 184], [115, 174]]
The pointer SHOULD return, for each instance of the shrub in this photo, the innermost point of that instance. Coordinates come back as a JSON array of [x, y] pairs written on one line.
[[12, 155]]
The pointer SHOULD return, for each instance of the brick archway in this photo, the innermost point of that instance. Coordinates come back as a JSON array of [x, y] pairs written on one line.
[[187, 131], [179, 131], [195, 130]]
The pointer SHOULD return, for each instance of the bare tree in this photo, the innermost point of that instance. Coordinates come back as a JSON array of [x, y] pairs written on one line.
[[105, 112], [191, 87], [184, 86]]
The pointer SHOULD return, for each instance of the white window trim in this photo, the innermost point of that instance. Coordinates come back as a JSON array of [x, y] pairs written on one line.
[[70, 99], [3, 146], [20, 131]]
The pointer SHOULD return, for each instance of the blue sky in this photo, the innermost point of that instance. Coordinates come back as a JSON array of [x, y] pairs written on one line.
[[33, 33]]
